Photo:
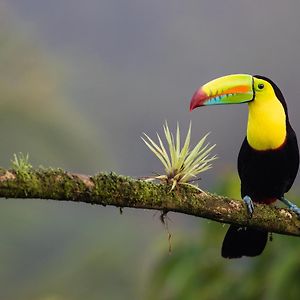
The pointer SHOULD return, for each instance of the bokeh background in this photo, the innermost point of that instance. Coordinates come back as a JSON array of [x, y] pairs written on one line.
[[79, 83]]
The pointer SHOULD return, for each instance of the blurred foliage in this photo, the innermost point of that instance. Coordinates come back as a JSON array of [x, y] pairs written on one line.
[[195, 270], [35, 116], [51, 251], [62, 250]]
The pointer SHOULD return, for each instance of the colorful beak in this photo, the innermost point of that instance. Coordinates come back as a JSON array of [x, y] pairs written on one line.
[[230, 89]]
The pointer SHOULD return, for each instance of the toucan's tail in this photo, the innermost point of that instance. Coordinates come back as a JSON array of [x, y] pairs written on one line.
[[243, 241]]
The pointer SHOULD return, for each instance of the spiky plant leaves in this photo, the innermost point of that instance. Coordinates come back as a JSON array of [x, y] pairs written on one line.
[[20, 164], [182, 165]]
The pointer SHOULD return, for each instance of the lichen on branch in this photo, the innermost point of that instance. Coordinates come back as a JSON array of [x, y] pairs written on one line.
[[121, 191]]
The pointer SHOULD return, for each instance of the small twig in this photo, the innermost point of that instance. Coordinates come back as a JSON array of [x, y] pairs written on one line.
[[164, 219]]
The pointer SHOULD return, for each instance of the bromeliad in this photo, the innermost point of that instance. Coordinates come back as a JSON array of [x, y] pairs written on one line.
[[182, 165]]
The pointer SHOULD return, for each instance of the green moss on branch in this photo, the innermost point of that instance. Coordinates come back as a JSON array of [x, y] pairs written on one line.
[[121, 191]]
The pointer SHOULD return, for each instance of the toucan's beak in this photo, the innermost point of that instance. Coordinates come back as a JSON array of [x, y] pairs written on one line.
[[230, 89]]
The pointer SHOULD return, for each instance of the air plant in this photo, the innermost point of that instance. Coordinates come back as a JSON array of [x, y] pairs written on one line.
[[182, 165], [20, 163]]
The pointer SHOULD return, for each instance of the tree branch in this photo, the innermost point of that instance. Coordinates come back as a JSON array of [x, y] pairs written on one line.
[[121, 191]]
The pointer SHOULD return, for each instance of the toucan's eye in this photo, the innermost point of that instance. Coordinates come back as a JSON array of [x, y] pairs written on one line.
[[261, 86]]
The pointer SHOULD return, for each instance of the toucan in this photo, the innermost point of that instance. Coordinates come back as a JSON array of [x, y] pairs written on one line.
[[268, 160]]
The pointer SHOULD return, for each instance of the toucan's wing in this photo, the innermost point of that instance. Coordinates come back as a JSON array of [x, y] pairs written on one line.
[[293, 155]]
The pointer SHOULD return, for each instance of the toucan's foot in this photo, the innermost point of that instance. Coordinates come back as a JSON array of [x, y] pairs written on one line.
[[293, 207], [250, 205]]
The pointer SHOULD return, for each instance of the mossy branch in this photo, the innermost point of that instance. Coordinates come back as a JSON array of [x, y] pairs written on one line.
[[121, 191]]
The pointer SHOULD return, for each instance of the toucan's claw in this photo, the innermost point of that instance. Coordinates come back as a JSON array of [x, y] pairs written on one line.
[[250, 206], [293, 207]]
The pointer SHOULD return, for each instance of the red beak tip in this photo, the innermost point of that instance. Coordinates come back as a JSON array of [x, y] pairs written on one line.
[[198, 99]]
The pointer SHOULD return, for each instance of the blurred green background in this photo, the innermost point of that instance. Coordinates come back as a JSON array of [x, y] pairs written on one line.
[[80, 81]]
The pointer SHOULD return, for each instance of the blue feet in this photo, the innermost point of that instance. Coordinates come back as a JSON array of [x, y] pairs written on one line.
[[250, 206], [293, 207]]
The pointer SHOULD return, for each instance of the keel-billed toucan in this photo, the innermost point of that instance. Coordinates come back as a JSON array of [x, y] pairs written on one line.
[[269, 157]]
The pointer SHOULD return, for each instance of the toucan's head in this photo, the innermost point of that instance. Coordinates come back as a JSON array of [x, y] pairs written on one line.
[[236, 88], [267, 117]]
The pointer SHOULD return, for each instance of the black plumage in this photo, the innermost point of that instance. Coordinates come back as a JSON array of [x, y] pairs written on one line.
[[265, 176]]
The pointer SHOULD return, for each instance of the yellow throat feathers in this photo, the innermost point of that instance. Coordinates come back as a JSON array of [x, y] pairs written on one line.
[[266, 128]]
